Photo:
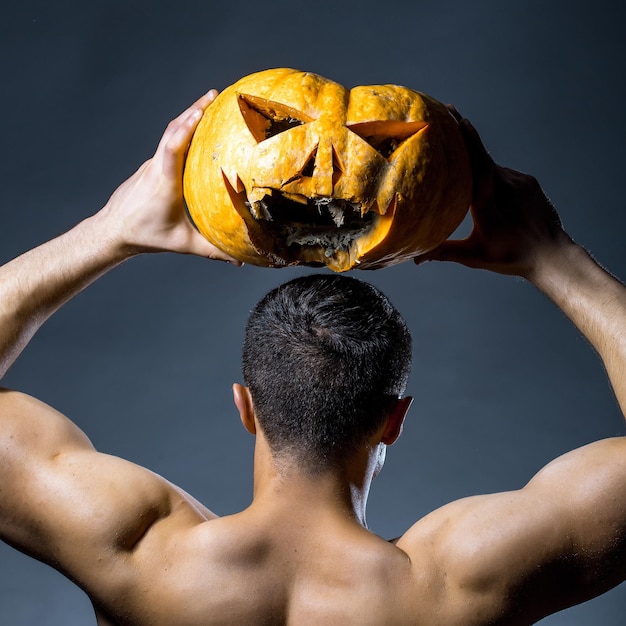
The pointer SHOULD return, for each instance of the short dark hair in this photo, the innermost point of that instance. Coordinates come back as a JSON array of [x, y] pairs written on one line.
[[323, 356]]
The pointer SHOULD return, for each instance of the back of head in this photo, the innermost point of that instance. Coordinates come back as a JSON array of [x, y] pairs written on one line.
[[323, 357]]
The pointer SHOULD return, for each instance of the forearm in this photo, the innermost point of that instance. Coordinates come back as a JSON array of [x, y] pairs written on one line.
[[145, 214], [594, 300], [34, 285]]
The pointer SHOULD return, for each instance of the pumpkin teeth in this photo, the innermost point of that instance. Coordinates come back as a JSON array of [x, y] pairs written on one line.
[[331, 224], [336, 211], [259, 210]]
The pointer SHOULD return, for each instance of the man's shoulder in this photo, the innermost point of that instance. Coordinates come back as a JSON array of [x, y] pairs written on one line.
[[480, 550]]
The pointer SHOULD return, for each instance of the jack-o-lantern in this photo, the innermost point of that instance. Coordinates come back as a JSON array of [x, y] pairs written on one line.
[[287, 167]]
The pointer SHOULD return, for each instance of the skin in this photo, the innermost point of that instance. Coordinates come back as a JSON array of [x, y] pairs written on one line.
[[148, 553]]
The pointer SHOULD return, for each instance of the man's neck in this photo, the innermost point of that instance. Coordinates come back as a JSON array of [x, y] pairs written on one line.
[[337, 490]]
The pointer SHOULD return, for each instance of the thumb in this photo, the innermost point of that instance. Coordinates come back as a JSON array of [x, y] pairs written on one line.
[[463, 251]]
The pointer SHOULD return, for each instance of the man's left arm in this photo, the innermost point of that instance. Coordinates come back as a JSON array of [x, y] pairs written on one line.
[[561, 539]]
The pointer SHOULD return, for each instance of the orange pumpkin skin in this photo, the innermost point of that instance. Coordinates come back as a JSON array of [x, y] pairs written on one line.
[[287, 167]]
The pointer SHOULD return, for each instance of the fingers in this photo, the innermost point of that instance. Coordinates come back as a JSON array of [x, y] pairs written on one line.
[[203, 101], [174, 150], [455, 114], [195, 110], [175, 142], [470, 134], [200, 104], [482, 163]]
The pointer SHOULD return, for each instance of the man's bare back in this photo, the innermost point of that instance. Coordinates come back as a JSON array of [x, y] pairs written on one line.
[[147, 553]]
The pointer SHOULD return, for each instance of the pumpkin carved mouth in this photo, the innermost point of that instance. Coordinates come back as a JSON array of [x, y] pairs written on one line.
[[330, 224], [290, 228]]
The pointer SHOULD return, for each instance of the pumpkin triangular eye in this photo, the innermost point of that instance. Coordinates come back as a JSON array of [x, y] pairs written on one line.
[[386, 136], [265, 118]]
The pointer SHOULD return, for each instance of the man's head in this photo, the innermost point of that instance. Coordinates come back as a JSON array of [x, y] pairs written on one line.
[[325, 358]]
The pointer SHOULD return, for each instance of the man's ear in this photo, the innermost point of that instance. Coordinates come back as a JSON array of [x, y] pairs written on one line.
[[243, 402], [395, 420]]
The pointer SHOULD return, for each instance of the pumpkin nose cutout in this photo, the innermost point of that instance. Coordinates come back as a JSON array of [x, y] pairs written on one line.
[[326, 169]]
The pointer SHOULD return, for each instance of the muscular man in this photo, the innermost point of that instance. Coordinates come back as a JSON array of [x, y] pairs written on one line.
[[148, 553]]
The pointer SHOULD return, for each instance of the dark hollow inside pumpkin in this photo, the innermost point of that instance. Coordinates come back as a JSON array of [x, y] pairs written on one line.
[[328, 223]]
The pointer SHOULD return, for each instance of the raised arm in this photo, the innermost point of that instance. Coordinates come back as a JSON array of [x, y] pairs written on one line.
[[145, 214], [518, 232], [60, 500], [561, 539]]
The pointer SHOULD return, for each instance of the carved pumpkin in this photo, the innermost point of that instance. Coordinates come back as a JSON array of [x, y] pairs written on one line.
[[287, 167]]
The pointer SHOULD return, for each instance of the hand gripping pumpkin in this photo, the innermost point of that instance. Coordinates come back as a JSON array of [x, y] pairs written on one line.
[[287, 167]]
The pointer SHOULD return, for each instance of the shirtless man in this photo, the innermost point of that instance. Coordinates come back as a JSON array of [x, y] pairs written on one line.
[[148, 553]]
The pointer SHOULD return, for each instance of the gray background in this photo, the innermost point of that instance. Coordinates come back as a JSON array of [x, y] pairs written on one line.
[[143, 361]]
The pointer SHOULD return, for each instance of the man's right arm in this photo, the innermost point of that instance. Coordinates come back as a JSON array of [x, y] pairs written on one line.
[[518, 232], [61, 501], [145, 214], [561, 539], [594, 300]]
